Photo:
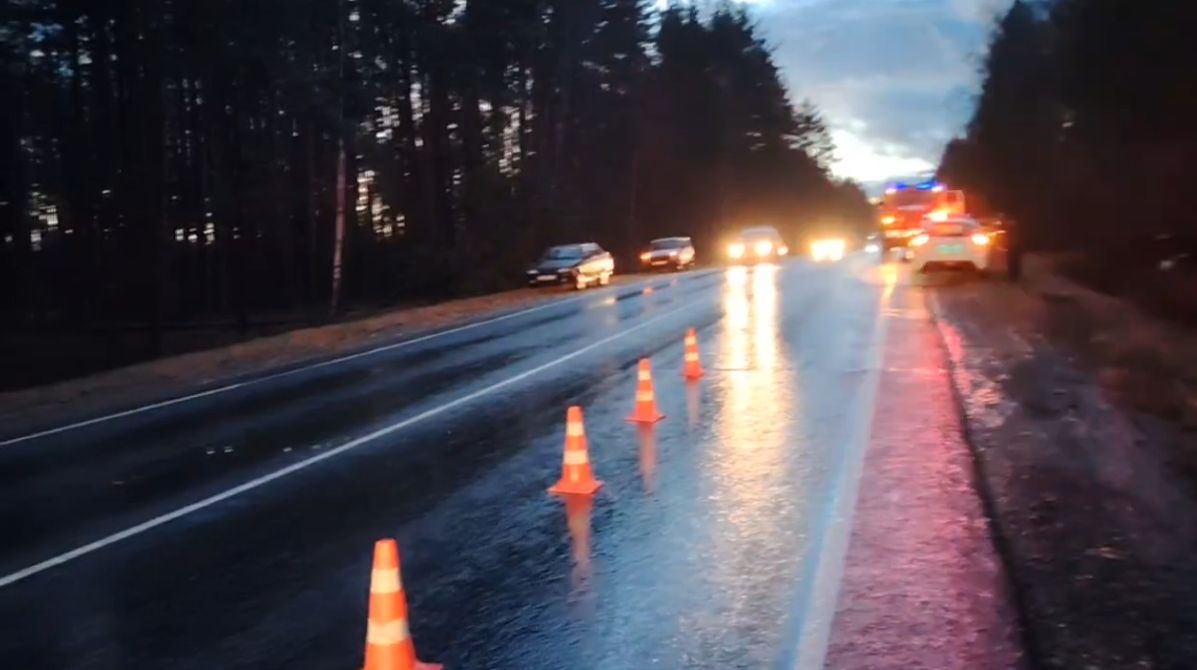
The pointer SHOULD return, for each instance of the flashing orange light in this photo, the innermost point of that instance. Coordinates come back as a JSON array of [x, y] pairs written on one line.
[[920, 240], [938, 216], [889, 220]]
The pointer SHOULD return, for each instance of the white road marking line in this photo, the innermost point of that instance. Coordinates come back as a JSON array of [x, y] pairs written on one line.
[[820, 596], [314, 366], [301, 465]]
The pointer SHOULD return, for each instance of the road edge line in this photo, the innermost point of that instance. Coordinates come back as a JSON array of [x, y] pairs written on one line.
[[817, 604]]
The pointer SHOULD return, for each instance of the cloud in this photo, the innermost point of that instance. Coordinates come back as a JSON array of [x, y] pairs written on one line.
[[895, 78]]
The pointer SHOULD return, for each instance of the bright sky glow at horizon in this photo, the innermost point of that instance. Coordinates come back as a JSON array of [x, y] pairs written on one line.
[[895, 79]]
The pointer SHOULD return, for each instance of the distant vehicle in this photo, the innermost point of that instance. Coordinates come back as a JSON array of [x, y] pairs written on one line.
[[757, 245], [828, 250], [955, 243], [668, 253], [873, 243], [576, 265], [904, 207]]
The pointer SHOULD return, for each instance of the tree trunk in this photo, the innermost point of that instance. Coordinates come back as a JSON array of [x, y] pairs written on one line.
[[338, 230]]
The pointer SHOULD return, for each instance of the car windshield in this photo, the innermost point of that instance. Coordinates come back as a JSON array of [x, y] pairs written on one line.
[[759, 233], [951, 227], [669, 243], [569, 252]]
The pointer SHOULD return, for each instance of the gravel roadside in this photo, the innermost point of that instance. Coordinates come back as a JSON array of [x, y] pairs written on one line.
[[1097, 522]]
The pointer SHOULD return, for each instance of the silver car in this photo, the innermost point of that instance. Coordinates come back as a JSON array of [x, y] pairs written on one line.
[[668, 253]]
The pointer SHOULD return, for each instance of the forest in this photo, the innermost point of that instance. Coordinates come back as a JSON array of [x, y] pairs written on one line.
[[1084, 133], [241, 162]]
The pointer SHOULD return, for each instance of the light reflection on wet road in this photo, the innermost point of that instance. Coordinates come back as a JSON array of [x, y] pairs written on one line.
[[688, 558]]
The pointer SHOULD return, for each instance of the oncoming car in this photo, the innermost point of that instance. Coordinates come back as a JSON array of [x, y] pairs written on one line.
[[762, 244], [827, 250], [577, 265], [668, 253], [954, 243]]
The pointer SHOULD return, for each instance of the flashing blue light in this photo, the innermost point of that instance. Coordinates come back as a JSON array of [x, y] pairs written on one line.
[[927, 186]]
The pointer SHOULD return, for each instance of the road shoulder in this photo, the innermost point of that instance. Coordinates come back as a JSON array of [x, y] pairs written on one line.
[[174, 376], [923, 585]]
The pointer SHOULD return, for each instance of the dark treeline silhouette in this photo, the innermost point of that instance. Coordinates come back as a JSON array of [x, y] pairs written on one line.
[[1086, 132], [179, 159]]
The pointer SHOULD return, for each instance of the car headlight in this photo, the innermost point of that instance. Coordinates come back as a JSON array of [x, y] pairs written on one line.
[[872, 248], [920, 240], [980, 239], [888, 220], [783, 250], [645, 256], [735, 250], [763, 248]]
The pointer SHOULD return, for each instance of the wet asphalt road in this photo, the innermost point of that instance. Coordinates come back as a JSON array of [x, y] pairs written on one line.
[[690, 557]]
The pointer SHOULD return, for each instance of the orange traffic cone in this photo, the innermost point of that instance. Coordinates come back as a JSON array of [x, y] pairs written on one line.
[[693, 367], [576, 476], [388, 639], [646, 400]]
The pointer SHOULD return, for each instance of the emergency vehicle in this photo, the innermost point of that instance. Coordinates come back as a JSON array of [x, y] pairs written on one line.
[[906, 208]]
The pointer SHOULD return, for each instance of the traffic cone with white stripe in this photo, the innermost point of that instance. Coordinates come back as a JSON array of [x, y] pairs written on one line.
[[646, 401], [693, 367], [576, 475], [388, 638]]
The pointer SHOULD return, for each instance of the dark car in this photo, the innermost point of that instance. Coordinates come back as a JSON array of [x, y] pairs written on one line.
[[668, 253], [576, 265]]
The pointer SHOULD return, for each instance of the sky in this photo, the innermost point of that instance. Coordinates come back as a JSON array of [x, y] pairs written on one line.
[[895, 79]]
